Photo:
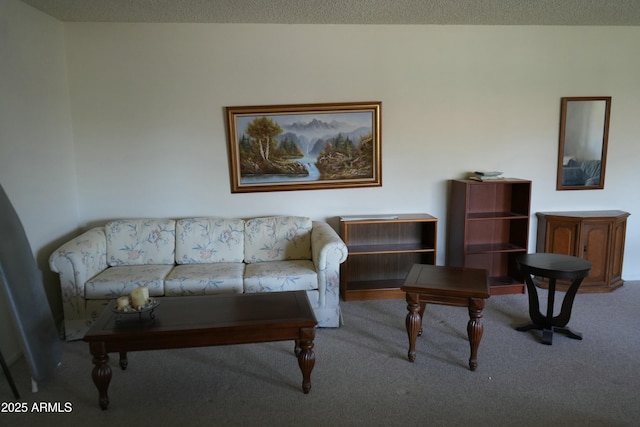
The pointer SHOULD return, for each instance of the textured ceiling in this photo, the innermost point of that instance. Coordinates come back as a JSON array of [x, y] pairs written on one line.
[[440, 12]]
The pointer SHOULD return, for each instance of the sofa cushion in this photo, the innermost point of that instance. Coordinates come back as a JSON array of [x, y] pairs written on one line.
[[591, 169], [121, 280], [141, 241], [204, 279], [572, 176], [297, 275], [208, 240], [277, 239]]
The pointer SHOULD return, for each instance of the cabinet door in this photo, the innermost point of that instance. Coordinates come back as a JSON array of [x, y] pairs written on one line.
[[562, 237], [617, 249], [594, 247]]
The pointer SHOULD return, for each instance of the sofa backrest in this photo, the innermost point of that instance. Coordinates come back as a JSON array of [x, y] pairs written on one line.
[[140, 241], [277, 239], [209, 240]]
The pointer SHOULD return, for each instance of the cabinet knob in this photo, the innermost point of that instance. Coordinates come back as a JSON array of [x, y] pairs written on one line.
[[585, 248]]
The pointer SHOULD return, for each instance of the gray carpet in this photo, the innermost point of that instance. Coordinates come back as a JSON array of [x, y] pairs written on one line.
[[362, 376]]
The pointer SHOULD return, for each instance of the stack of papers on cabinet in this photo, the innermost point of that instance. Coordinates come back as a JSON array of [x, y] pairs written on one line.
[[486, 175]]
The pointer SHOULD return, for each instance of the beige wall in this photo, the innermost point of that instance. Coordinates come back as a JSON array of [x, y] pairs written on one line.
[[147, 107], [148, 133], [37, 162]]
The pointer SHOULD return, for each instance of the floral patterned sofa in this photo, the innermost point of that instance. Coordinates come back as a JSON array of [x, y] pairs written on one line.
[[198, 256]]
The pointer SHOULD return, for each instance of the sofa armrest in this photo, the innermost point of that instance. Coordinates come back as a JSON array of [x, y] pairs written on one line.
[[76, 262], [328, 251]]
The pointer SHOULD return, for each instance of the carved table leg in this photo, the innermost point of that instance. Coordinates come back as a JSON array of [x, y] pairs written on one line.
[[560, 321], [475, 329], [538, 320], [549, 324], [413, 323], [534, 306], [124, 362], [101, 376], [306, 356], [423, 306], [547, 336]]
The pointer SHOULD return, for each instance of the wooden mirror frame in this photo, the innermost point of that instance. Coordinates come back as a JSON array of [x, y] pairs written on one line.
[[568, 179]]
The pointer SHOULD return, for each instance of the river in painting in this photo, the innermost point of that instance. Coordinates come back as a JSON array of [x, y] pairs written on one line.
[[308, 162]]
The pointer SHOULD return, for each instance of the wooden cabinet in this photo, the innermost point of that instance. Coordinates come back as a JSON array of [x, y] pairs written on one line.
[[488, 227], [382, 250], [597, 236]]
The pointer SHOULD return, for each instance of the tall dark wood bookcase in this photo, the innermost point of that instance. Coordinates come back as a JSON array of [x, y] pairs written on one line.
[[382, 250], [488, 227]]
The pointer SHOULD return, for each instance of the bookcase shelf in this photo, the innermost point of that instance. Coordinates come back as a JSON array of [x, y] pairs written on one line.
[[382, 251], [488, 227]]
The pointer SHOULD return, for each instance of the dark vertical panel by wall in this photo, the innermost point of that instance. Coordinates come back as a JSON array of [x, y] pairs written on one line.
[[26, 296]]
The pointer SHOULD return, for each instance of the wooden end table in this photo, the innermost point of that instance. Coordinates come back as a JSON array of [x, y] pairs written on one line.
[[181, 322], [553, 267], [462, 287]]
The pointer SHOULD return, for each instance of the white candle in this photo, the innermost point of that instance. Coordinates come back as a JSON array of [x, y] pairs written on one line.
[[123, 302], [139, 296]]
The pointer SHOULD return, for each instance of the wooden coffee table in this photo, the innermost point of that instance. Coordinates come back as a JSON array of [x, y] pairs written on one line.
[[462, 287], [181, 322]]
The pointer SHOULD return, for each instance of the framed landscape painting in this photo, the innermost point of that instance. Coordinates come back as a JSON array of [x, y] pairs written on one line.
[[304, 147]]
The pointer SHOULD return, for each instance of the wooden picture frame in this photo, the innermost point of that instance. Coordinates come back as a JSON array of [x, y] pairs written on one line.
[[584, 139], [304, 146]]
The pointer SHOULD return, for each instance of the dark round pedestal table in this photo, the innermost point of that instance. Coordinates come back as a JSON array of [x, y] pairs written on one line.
[[552, 267]]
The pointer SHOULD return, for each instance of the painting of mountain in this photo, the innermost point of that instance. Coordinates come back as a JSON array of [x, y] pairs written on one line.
[[315, 146]]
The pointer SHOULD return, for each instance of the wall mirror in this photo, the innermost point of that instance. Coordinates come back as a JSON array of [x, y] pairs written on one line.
[[584, 134]]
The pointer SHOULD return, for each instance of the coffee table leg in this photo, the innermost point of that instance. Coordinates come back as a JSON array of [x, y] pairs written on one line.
[[306, 356], [413, 323], [101, 373], [124, 362], [423, 306], [475, 329], [537, 319]]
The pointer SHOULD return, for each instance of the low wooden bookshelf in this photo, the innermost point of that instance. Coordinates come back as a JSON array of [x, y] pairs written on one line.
[[382, 250]]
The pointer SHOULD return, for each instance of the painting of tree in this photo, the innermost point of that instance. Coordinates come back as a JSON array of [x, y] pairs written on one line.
[[304, 146], [260, 154]]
